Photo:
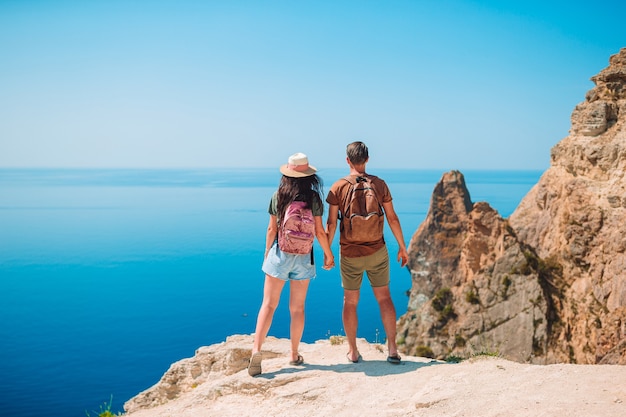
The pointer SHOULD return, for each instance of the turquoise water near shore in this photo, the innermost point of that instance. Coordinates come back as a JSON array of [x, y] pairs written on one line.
[[109, 276]]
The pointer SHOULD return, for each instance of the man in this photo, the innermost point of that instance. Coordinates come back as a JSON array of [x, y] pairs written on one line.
[[358, 254]]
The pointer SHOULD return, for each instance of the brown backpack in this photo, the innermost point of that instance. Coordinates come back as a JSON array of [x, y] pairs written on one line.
[[361, 214]]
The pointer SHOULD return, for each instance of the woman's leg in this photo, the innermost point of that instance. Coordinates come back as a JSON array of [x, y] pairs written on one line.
[[297, 297], [271, 295]]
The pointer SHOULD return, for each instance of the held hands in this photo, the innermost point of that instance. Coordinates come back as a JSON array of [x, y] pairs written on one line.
[[329, 261]]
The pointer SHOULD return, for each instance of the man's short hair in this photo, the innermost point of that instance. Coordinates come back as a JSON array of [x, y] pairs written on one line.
[[357, 153]]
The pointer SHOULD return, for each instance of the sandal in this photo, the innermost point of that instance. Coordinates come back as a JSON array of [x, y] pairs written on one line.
[[298, 361], [395, 359], [254, 367]]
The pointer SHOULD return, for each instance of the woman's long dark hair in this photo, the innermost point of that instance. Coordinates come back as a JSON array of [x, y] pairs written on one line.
[[305, 188]]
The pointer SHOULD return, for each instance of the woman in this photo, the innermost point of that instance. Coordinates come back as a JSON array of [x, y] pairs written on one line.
[[299, 183]]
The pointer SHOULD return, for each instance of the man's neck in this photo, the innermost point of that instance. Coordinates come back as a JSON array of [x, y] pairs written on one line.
[[357, 170]]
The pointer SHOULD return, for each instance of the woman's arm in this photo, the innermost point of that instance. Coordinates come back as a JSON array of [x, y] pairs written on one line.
[[322, 238], [272, 231]]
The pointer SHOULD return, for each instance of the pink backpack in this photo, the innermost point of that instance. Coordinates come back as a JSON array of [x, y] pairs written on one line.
[[297, 230]]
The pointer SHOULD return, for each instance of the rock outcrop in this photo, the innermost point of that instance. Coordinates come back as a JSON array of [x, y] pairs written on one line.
[[475, 285], [548, 284], [185, 375], [215, 383]]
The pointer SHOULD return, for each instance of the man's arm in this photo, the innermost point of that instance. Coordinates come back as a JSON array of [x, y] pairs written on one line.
[[396, 229], [331, 222]]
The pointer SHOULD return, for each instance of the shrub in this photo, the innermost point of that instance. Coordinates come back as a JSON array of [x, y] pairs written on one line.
[[485, 349], [424, 352], [336, 340], [442, 299], [105, 410], [453, 359], [506, 283], [442, 303], [471, 297]]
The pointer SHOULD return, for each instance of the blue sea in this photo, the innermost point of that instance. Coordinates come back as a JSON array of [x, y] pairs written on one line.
[[109, 276]]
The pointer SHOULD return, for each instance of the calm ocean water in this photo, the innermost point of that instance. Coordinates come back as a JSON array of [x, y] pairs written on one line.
[[109, 276]]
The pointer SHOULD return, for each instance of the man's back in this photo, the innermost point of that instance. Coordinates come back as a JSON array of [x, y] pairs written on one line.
[[342, 194]]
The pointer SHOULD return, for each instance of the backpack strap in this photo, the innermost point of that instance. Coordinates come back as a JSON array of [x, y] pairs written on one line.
[[348, 196]]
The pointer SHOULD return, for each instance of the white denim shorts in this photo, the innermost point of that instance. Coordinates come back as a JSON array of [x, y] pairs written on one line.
[[288, 266]]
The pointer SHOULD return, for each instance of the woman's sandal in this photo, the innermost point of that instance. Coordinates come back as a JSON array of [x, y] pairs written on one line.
[[254, 367]]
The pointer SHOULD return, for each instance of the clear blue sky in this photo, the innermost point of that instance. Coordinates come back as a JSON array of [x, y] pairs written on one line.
[[426, 84]]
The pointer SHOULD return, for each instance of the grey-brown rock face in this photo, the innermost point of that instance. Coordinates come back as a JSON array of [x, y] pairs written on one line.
[[474, 284], [548, 284]]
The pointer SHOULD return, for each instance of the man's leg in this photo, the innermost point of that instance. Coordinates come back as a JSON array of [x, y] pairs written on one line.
[[351, 321], [388, 316]]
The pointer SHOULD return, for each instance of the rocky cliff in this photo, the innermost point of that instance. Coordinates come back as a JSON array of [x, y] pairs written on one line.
[[548, 284]]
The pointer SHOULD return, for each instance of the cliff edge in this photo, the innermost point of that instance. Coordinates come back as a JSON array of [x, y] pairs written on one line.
[[215, 382]]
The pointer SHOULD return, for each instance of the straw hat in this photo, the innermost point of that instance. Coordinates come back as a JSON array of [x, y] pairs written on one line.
[[298, 166]]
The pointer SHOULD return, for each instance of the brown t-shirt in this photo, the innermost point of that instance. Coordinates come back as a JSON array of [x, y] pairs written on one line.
[[337, 194]]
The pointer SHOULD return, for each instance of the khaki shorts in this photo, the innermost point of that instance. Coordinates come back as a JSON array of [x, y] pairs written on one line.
[[376, 266]]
